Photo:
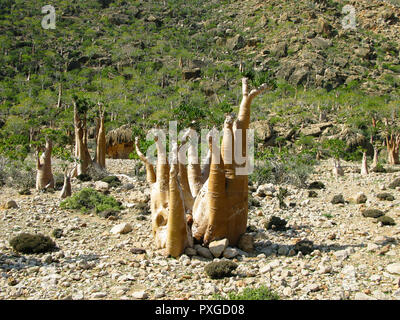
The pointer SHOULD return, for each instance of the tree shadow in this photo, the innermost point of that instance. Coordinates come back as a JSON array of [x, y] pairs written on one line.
[[15, 261]]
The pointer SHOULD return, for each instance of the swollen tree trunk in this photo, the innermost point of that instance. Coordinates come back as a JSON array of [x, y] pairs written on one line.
[[364, 165], [100, 157], [81, 148], [178, 233], [210, 221], [392, 145], [66, 190], [220, 207], [44, 175], [375, 159], [337, 169]]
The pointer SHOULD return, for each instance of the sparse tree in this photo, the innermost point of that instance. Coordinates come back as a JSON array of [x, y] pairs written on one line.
[[220, 207], [44, 175]]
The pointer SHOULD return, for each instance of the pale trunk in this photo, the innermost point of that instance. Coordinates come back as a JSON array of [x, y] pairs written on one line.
[[44, 176]]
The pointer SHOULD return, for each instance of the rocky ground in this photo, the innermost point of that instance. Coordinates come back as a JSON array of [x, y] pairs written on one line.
[[353, 257]]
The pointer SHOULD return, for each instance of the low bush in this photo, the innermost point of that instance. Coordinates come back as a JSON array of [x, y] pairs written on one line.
[[280, 167], [220, 269], [261, 293], [88, 199], [112, 181], [32, 243]]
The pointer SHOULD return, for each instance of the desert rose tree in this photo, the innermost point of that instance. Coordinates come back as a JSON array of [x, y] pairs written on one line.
[[81, 108], [220, 191]]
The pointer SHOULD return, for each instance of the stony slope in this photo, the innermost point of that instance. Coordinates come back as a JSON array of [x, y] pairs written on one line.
[[350, 259]]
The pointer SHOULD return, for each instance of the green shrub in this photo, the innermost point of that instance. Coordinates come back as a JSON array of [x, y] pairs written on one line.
[[32, 243], [220, 269], [89, 199], [281, 166], [84, 177], [113, 181], [261, 293], [386, 221]]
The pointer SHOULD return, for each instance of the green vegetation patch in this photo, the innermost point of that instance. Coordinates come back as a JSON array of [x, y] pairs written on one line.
[[220, 269], [32, 243], [89, 199], [261, 293]]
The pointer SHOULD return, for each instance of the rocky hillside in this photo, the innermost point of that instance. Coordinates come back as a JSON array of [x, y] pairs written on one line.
[[145, 57]]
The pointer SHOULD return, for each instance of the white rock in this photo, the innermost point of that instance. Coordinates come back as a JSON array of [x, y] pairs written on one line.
[[218, 247], [98, 295], [287, 291], [363, 296], [393, 268], [101, 186], [77, 296], [139, 294], [375, 277], [341, 254], [121, 228], [379, 295], [372, 247], [159, 293]]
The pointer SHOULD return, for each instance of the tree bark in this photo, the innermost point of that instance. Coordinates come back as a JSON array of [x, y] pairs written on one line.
[[392, 144], [364, 165], [66, 190], [44, 175]]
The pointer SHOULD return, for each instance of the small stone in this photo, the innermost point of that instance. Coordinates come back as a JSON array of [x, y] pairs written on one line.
[[287, 291], [386, 221], [395, 183], [337, 199], [372, 213], [341, 254], [361, 198], [363, 296], [379, 295], [10, 204], [98, 295], [101, 186], [230, 253], [190, 252], [218, 247], [47, 259], [312, 194], [137, 251], [372, 247], [11, 281], [121, 228], [159, 293], [205, 252], [393, 268], [77, 296], [246, 243], [385, 196], [140, 295], [313, 287], [283, 250]]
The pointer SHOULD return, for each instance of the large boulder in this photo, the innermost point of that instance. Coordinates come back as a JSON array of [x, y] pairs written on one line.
[[235, 43]]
